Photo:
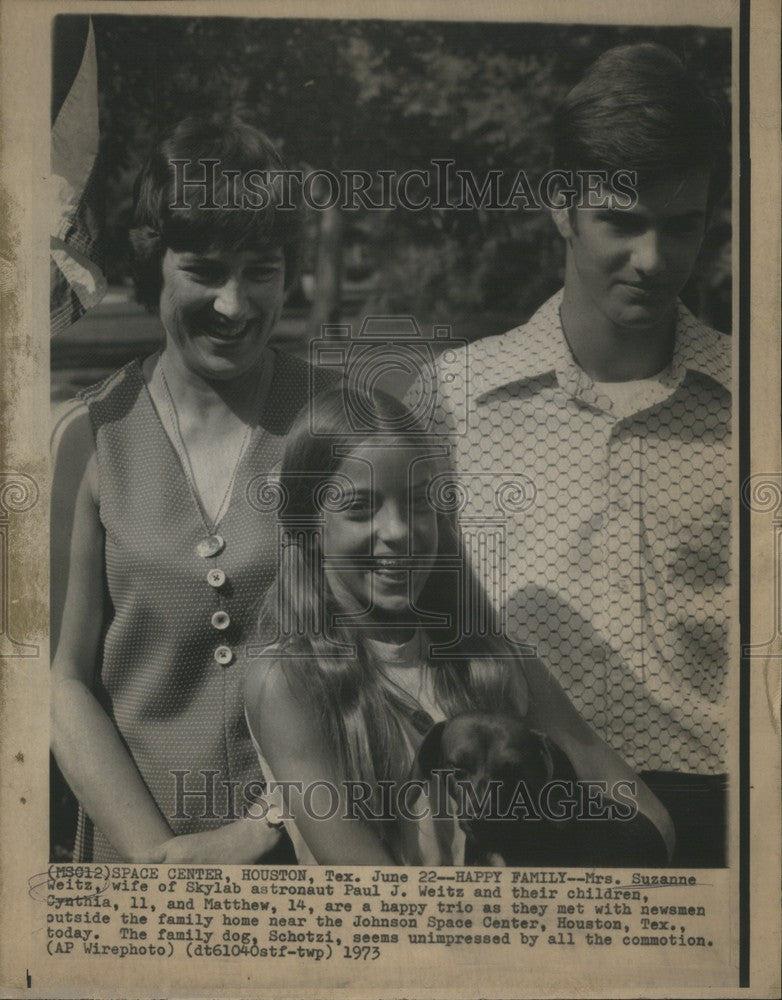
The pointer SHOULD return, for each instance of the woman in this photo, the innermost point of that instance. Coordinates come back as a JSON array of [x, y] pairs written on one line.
[[375, 644], [159, 556]]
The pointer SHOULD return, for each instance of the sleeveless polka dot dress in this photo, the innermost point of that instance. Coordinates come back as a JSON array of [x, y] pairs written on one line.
[[182, 602]]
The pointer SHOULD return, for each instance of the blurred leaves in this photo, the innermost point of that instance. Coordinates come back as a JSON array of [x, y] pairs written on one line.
[[378, 95]]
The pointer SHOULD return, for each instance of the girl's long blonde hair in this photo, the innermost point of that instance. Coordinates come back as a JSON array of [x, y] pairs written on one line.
[[358, 714]]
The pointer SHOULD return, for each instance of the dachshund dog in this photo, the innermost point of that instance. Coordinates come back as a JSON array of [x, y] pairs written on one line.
[[518, 799]]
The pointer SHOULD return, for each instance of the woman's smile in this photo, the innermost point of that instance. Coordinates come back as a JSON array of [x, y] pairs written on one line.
[[228, 338], [219, 307], [229, 334]]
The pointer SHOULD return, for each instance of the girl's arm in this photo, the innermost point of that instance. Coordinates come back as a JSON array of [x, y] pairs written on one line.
[[87, 745], [551, 711], [291, 738]]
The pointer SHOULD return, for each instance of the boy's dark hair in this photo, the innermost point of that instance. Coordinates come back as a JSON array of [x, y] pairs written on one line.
[[165, 218], [638, 108]]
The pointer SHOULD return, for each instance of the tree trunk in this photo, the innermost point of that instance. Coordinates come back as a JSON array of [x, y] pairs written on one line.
[[326, 302]]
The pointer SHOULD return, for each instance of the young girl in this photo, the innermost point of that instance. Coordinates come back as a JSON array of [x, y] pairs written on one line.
[[371, 585]]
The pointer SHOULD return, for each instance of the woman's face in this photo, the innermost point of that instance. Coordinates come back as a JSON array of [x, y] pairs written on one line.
[[219, 307], [380, 546]]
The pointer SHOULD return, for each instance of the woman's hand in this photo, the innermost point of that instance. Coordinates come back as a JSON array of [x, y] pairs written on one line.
[[244, 842]]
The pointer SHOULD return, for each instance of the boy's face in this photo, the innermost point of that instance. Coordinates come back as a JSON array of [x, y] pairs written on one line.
[[631, 264]]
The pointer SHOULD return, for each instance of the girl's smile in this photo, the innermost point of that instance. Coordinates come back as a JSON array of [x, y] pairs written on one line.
[[380, 545]]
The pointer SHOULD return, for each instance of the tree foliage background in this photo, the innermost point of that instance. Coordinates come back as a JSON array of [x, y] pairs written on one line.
[[392, 95]]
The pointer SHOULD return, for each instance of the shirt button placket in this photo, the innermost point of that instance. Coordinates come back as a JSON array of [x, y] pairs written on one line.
[[636, 581], [207, 548], [604, 564], [625, 596]]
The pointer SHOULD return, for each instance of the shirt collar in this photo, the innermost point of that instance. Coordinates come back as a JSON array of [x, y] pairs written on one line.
[[700, 349], [539, 348]]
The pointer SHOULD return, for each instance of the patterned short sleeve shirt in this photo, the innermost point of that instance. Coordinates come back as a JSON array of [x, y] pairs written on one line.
[[616, 564]]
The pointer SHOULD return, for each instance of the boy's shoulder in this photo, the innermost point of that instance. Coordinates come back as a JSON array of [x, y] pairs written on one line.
[[702, 349], [523, 352]]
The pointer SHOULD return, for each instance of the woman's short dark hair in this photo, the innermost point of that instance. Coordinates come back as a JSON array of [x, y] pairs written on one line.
[[638, 108], [227, 201]]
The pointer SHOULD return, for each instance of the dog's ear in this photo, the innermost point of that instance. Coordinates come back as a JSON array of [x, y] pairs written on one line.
[[555, 761], [543, 750], [557, 769], [563, 767], [429, 754]]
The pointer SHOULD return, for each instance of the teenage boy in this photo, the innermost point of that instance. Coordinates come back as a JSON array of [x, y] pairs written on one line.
[[614, 400]]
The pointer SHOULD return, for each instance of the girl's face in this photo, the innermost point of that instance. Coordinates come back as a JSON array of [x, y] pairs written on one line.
[[219, 308], [379, 547]]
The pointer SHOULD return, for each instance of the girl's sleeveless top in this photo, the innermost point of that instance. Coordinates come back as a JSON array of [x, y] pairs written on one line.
[[170, 675], [428, 839]]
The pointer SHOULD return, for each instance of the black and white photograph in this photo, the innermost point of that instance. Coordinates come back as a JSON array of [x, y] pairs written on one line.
[[557, 192], [399, 503]]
